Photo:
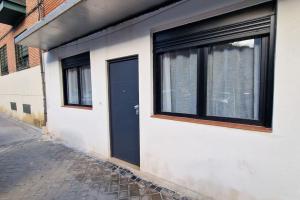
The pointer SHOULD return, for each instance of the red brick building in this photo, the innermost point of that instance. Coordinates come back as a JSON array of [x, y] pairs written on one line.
[[15, 17], [35, 9]]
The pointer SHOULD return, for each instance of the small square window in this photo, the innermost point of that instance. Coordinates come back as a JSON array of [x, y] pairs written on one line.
[[13, 106], [27, 108]]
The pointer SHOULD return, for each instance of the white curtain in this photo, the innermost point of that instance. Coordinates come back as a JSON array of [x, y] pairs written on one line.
[[72, 86], [86, 86], [233, 79], [179, 81]]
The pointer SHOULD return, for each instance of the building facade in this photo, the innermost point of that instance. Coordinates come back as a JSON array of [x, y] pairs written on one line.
[[20, 80], [21, 88], [195, 93]]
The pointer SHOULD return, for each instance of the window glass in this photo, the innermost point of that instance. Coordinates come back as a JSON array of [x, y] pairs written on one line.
[[22, 60], [77, 80], [72, 86], [220, 68], [86, 87], [233, 79], [3, 60], [179, 81]]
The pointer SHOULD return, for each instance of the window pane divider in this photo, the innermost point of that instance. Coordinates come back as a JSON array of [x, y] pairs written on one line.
[[78, 85], [201, 101]]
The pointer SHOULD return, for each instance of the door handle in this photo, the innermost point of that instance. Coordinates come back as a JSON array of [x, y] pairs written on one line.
[[137, 110]]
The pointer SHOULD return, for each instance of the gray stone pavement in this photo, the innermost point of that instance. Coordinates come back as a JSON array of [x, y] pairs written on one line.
[[35, 168]]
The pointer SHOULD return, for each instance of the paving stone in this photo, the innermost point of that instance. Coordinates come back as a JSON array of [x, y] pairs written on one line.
[[35, 168]]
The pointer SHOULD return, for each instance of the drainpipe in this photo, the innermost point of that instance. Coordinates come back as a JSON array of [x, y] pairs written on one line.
[[43, 87], [41, 14]]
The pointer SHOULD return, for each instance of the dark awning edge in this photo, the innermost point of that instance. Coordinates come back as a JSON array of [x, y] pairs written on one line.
[[51, 31], [86, 18]]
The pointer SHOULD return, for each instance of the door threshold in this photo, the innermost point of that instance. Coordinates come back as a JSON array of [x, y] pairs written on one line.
[[124, 164]]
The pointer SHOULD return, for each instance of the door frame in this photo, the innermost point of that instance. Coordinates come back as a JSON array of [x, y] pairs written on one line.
[[120, 59]]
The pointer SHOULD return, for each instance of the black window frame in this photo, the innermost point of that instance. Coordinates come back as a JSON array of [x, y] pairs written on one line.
[[22, 57], [27, 109], [185, 37], [3, 60], [13, 106], [74, 62]]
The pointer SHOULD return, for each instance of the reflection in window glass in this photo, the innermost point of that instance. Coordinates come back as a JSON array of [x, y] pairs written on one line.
[[86, 85], [233, 79], [179, 81], [72, 86]]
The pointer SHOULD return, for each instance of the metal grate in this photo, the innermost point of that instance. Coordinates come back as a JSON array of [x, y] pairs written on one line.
[[13, 106], [27, 108], [3, 60], [22, 60]]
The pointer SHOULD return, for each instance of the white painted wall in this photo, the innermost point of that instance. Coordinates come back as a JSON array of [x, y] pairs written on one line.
[[223, 163], [23, 87]]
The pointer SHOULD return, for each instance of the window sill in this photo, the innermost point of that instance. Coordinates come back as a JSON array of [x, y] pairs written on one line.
[[79, 107], [215, 123], [22, 68]]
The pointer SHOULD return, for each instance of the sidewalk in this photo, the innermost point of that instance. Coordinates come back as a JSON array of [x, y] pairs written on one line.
[[34, 168]]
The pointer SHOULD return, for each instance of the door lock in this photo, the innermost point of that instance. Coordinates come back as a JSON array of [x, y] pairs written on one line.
[[137, 110]]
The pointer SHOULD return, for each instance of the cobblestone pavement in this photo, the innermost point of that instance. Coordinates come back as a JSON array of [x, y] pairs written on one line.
[[34, 168]]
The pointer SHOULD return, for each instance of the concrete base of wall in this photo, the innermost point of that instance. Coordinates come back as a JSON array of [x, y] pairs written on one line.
[[23, 87]]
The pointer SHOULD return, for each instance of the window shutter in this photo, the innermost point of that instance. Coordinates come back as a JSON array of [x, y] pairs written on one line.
[[76, 61], [245, 23]]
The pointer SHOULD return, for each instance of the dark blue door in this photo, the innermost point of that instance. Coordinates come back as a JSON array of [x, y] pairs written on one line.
[[124, 109]]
